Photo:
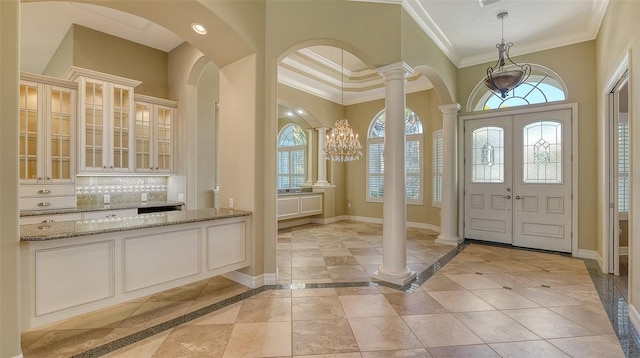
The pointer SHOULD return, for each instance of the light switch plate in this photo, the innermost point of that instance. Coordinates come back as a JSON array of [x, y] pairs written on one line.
[[143, 197], [106, 199]]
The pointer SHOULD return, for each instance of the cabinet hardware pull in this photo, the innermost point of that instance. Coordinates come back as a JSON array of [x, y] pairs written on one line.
[[111, 167], [111, 216], [518, 197], [44, 191], [47, 221], [44, 203], [507, 197], [39, 178]]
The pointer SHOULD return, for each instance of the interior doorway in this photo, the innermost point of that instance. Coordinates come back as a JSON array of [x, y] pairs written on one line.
[[619, 185], [518, 179]]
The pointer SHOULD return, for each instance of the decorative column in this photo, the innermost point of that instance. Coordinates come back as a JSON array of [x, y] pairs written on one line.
[[322, 159], [309, 181], [449, 209], [394, 230]]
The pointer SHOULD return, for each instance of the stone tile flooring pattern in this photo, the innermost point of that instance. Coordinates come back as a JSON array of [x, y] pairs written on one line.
[[346, 251], [486, 302]]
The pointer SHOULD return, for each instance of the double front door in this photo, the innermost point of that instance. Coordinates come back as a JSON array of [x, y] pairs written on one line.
[[518, 179]]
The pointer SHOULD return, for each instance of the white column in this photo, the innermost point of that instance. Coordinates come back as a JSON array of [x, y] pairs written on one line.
[[309, 181], [394, 230], [322, 159], [449, 209]]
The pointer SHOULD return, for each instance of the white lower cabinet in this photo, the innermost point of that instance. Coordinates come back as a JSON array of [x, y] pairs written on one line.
[[44, 219], [66, 277], [296, 206]]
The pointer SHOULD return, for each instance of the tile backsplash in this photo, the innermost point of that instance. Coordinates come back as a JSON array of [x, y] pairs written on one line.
[[129, 189]]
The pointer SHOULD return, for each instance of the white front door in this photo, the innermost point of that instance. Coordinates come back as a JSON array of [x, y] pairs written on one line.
[[518, 180]]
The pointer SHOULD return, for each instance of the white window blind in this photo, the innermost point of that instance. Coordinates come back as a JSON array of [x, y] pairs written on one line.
[[291, 160]]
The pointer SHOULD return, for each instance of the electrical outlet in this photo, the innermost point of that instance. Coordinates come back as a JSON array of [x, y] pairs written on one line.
[[230, 203], [106, 199], [180, 197], [348, 204], [143, 197]]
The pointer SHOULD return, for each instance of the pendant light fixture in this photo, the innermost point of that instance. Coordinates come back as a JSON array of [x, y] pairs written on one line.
[[341, 144], [503, 76]]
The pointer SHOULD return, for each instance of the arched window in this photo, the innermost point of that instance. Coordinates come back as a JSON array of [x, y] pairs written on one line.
[[413, 158], [542, 86], [292, 145]]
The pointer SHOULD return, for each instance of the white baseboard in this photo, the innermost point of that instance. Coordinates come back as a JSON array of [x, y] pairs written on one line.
[[251, 281], [590, 254], [292, 223], [364, 219], [423, 226], [634, 317], [330, 220], [624, 250]]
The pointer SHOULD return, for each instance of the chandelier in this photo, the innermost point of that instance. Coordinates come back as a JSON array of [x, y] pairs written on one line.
[[341, 144], [504, 79]]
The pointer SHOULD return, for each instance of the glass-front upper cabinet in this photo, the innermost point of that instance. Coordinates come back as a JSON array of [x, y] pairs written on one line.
[[154, 123], [46, 130], [106, 121]]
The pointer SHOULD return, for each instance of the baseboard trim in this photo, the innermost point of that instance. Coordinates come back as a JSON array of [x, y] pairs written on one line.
[[332, 220], [634, 317], [292, 223], [251, 281], [589, 254]]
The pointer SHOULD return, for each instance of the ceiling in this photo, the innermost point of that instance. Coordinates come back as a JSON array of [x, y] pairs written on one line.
[[463, 29]]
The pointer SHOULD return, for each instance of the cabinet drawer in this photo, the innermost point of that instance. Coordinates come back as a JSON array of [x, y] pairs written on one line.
[[47, 190], [49, 218], [47, 203], [109, 214]]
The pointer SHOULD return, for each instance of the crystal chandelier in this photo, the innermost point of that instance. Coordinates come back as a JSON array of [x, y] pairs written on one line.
[[504, 79], [341, 144]]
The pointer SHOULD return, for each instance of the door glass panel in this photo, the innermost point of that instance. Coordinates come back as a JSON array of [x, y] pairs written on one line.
[[93, 125], [28, 131], [60, 132], [487, 148], [542, 153]]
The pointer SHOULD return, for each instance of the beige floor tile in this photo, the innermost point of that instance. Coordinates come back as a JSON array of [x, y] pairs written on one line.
[[355, 272], [415, 303], [195, 341], [473, 351], [315, 308], [515, 266], [405, 353], [28, 338], [482, 266], [547, 324], [106, 318], [511, 279], [307, 261], [152, 313], [364, 251], [501, 298], [460, 301], [266, 339], [366, 306], [314, 292], [145, 348], [546, 297], [189, 292], [369, 260], [66, 343], [383, 333], [367, 290], [337, 355], [281, 293], [589, 347], [220, 290], [335, 251], [225, 315], [323, 337], [340, 261], [530, 349], [473, 281], [265, 310], [440, 282], [589, 317], [495, 326], [440, 330], [309, 273]]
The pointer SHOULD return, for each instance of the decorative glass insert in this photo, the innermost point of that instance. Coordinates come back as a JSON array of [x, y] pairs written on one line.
[[487, 151], [291, 159], [413, 157], [542, 86], [542, 152], [623, 163]]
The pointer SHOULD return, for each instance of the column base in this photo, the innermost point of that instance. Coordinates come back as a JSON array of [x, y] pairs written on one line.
[[322, 183], [394, 278], [448, 240]]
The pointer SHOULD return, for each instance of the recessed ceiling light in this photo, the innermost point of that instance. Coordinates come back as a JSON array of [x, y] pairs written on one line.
[[300, 112], [198, 28], [289, 113]]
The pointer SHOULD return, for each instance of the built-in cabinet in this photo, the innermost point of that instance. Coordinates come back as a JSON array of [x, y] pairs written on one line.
[[106, 108], [295, 206], [154, 123], [47, 130]]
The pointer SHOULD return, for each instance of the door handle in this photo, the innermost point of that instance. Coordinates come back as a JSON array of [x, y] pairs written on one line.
[[518, 197], [507, 196]]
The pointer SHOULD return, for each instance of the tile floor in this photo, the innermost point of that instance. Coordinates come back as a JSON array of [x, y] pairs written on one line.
[[487, 301]]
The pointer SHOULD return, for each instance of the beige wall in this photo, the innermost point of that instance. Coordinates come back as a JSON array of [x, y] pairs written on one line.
[[612, 45], [9, 233], [579, 77], [105, 53], [424, 104]]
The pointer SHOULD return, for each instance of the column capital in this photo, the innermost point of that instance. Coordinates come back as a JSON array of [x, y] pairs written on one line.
[[398, 70], [322, 129], [450, 108]]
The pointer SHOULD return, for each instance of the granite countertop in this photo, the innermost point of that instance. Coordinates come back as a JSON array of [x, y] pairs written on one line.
[[68, 229], [100, 207], [299, 193]]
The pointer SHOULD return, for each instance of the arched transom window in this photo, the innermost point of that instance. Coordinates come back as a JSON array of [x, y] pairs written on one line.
[[292, 144], [413, 158], [542, 86]]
